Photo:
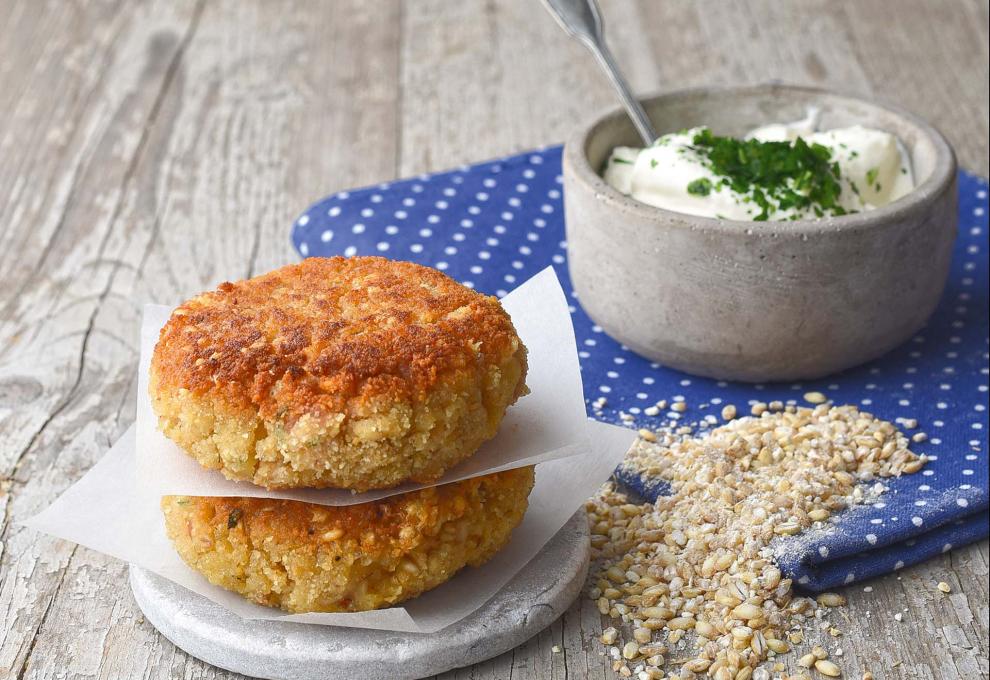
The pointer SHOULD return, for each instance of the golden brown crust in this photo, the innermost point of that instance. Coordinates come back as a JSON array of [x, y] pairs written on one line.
[[306, 557], [299, 357], [330, 333]]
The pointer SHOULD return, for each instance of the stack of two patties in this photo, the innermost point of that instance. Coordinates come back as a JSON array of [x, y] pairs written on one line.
[[358, 374]]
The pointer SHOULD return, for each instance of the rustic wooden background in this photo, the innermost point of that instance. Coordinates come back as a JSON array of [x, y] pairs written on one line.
[[149, 150]]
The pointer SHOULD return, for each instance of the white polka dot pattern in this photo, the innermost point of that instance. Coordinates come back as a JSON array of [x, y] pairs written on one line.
[[495, 224]]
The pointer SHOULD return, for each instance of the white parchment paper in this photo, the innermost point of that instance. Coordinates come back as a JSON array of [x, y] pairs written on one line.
[[548, 424], [109, 511]]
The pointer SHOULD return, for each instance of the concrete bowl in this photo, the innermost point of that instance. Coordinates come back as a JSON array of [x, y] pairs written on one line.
[[758, 301]]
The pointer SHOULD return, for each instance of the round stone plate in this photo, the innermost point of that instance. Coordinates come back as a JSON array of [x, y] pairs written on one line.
[[532, 600]]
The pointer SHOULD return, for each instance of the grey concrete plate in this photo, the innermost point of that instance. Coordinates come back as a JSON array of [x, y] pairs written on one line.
[[532, 600]]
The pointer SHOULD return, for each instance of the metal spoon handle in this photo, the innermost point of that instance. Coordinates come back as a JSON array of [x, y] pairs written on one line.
[[582, 20]]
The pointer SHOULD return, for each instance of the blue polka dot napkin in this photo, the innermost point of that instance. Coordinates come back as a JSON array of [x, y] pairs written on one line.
[[495, 224]]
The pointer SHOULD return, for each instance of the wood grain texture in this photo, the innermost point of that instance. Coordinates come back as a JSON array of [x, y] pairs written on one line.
[[152, 149]]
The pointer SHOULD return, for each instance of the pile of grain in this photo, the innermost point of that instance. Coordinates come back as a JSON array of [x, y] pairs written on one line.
[[691, 579]]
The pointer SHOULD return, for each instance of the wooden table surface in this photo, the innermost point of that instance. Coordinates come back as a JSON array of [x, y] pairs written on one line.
[[153, 149]]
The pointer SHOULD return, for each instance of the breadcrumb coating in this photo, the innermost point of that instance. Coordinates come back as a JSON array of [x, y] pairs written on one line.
[[358, 373], [303, 557]]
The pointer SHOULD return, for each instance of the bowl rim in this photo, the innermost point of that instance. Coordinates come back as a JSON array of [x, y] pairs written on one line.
[[943, 173]]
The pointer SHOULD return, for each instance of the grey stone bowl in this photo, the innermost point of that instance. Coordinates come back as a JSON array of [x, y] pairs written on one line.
[[758, 301]]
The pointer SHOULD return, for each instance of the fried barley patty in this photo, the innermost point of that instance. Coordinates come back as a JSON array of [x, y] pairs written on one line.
[[358, 373], [303, 557]]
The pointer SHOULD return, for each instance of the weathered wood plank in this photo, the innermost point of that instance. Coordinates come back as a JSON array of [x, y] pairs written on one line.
[[480, 81], [931, 58], [189, 165], [52, 432]]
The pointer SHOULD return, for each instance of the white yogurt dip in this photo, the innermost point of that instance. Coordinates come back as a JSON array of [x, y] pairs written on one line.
[[859, 169]]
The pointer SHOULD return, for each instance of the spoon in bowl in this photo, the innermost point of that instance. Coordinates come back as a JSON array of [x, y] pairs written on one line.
[[582, 20]]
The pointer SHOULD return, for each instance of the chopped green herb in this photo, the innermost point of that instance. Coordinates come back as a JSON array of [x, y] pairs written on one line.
[[234, 517], [774, 175], [653, 163], [871, 175], [700, 187], [622, 161]]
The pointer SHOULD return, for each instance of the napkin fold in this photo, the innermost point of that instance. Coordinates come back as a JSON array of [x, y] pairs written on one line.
[[497, 223]]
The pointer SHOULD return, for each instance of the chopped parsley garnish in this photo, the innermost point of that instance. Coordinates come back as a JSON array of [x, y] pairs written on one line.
[[776, 175], [700, 187], [623, 161], [653, 163], [871, 175]]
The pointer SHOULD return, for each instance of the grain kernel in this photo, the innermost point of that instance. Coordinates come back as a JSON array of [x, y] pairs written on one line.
[[831, 600], [787, 528], [697, 665], [615, 575], [630, 650], [657, 613], [705, 629], [826, 667], [913, 466], [778, 646], [742, 633], [746, 611], [681, 623]]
